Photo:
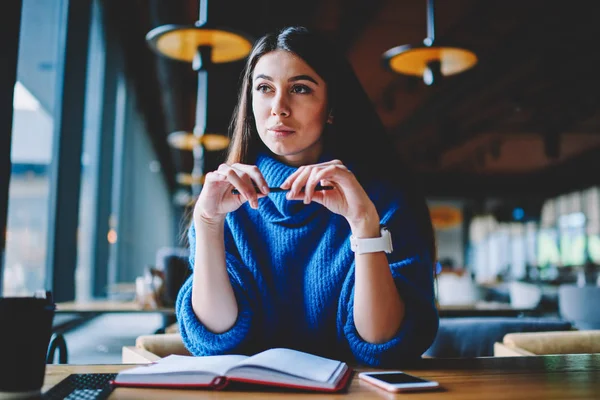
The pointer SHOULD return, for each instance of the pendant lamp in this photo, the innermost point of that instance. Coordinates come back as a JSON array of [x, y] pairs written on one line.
[[204, 46], [429, 61]]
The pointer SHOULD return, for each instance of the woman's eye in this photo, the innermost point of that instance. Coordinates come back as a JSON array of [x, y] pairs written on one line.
[[301, 89], [262, 88]]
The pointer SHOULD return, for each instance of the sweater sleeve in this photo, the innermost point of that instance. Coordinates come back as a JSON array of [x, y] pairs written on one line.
[[198, 339], [411, 265]]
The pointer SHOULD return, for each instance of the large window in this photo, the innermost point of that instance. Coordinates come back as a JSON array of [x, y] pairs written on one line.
[[31, 151], [88, 203], [572, 239], [548, 251]]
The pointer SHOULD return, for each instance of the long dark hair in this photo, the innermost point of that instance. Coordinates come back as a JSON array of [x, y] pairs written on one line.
[[357, 132], [357, 136]]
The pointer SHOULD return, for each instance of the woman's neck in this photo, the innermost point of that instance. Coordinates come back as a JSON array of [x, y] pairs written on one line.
[[308, 156]]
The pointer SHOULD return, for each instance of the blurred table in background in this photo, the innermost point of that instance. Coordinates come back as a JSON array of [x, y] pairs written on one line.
[[109, 306], [517, 293], [485, 309], [480, 308], [70, 315], [94, 308]]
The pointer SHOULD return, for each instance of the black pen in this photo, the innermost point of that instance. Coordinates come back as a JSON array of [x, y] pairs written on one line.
[[278, 189]]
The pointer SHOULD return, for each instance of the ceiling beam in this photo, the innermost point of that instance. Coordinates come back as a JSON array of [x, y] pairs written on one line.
[[568, 176]]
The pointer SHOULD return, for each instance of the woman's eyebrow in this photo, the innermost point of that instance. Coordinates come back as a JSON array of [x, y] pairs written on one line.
[[303, 78], [292, 79], [267, 77]]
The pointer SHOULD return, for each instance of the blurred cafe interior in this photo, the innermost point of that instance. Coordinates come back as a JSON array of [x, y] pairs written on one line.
[[114, 117]]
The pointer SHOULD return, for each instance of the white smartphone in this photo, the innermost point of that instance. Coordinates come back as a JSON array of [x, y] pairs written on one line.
[[397, 381]]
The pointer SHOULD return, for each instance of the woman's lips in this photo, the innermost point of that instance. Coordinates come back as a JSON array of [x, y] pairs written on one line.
[[281, 133]]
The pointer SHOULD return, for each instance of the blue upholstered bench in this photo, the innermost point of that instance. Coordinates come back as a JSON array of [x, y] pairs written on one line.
[[475, 337]]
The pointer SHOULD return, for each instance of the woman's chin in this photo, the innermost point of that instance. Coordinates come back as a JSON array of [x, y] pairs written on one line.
[[282, 151], [293, 154]]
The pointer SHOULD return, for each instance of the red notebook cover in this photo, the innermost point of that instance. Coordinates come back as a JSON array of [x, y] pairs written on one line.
[[222, 382]]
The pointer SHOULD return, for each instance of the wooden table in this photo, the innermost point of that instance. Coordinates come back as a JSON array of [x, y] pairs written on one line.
[[108, 306], [575, 376]]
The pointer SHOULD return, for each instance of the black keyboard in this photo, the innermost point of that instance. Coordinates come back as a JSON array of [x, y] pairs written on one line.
[[81, 387]]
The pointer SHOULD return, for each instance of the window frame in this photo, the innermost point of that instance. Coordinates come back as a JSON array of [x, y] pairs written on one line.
[[65, 170], [10, 26]]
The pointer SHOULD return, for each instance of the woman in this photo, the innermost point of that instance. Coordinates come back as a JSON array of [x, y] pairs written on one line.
[[278, 269]]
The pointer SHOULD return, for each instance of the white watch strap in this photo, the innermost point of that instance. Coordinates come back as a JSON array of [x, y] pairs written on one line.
[[372, 245]]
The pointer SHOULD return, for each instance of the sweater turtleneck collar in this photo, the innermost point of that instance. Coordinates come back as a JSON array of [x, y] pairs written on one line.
[[275, 207]]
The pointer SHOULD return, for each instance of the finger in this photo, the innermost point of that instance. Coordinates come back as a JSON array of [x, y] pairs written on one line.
[[214, 177], [319, 196], [325, 182], [242, 182], [334, 174], [299, 182], [337, 164], [334, 162], [221, 176], [247, 178], [328, 173], [309, 188], [256, 176], [290, 179]]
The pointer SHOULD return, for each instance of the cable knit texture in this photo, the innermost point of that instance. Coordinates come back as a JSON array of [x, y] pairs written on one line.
[[292, 272]]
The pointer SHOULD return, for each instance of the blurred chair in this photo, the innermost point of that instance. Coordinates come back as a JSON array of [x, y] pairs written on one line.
[[524, 295], [457, 289], [581, 305], [456, 337], [57, 342], [475, 336], [174, 262], [543, 343], [149, 348]]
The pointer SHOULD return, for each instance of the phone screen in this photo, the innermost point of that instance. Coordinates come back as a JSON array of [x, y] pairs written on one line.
[[398, 377]]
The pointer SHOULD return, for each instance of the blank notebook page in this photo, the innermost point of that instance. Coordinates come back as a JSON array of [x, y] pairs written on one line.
[[174, 363], [295, 363]]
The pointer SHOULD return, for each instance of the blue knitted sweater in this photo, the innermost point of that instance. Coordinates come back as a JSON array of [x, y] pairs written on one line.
[[292, 272]]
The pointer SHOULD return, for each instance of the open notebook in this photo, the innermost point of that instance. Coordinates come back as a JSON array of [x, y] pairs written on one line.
[[273, 367]]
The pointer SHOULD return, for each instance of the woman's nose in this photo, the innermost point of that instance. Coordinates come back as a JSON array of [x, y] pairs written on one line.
[[280, 106]]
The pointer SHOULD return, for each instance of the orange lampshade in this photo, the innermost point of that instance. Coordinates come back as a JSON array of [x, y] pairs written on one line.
[[430, 60], [183, 140], [413, 60], [189, 179], [181, 42], [445, 217], [203, 45]]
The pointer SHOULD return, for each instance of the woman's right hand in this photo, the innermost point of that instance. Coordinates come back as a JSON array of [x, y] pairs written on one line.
[[216, 198]]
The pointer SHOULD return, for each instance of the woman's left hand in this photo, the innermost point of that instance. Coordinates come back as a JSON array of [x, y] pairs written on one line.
[[348, 198]]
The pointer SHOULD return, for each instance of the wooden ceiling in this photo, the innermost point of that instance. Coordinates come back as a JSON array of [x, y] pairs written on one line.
[[525, 120]]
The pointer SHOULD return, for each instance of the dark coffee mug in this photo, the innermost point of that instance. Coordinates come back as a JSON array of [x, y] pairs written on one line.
[[25, 329]]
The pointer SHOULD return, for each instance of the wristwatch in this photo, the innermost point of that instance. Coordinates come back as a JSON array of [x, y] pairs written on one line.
[[372, 245]]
